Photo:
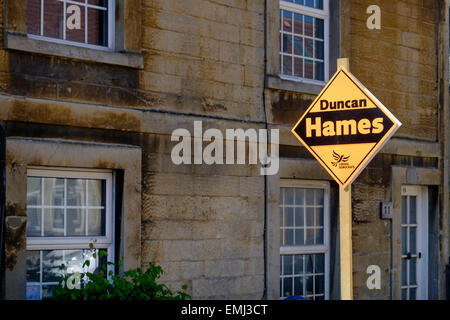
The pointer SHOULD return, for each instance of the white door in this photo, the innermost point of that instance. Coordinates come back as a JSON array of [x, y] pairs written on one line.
[[414, 265]]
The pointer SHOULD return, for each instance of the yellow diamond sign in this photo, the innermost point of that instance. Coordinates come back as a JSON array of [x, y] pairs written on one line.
[[345, 127]]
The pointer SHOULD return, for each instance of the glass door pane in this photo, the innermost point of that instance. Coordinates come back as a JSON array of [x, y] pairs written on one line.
[[409, 248]]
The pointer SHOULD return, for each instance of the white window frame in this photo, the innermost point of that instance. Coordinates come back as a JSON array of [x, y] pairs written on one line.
[[111, 26], [79, 242], [421, 194], [314, 249], [316, 13]]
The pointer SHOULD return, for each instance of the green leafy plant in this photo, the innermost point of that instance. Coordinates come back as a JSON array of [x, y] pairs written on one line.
[[135, 284]]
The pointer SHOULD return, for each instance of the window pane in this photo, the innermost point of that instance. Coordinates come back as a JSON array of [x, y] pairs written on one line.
[[33, 266], [310, 217], [287, 265], [299, 237], [287, 43], [319, 28], [309, 69], [33, 292], [309, 263], [404, 294], [404, 273], [74, 260], [298, 67], [319, 4], [76, 222], [412, 240], [412, 294], [298, 46], [412, 210], [404, 208], [76, 192], [97, 27], [319, 197], [298, 264], [96, 192], [298, 23], [287, 21], [299, 197], [34, 16], [289, 219], [53, 192], [47, 290], [51, 262], [53, 222], [287, 65], [404, 240], [53, 19], [319, 217], [320, 71], [310, 237], [309, 26], [34, 191], [309, 3], [96, 222], [309, 48], [287, 287], [319, 285], [320, 263], [310, 197], [319, 53], [412, 271], [100, 3], [298, 286], [289, 241], [33, 222], [319, 236], [299, 217], [309, 285], [288, 196]]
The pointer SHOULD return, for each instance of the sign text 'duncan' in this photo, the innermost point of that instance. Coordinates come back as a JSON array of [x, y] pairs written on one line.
[[345, 127]]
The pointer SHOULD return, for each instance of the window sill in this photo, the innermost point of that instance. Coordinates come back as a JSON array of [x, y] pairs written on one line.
[[277, 83], [21, 42]]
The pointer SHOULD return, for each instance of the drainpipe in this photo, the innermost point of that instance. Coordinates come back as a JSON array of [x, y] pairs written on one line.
[[265, 253], [2, 208], [447, 274]]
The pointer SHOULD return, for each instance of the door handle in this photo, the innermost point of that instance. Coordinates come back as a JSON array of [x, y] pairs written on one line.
[[409, 256]]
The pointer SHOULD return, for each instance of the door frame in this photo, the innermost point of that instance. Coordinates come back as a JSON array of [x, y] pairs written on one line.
[[421, 192]]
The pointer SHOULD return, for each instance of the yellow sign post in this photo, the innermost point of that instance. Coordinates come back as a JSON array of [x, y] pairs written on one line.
[[344, 128]]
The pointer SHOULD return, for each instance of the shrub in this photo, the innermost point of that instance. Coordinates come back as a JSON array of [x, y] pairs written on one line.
[[136, 284]]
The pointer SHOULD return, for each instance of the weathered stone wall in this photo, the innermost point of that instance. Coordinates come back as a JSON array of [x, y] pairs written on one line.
[[203, 224], [398, 62]]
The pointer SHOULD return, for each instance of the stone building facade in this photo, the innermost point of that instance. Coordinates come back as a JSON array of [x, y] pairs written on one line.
[[79, 116]]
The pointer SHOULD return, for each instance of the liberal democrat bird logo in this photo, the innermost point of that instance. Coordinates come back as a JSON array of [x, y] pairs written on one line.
[[339, 159]]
